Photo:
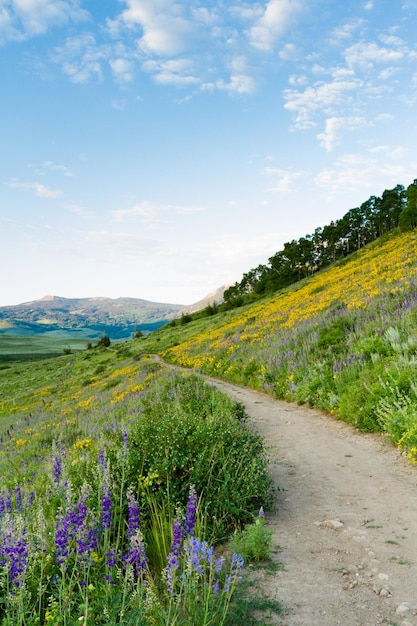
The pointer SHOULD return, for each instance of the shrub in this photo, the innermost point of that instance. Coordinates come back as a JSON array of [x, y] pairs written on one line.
[[187, 433]]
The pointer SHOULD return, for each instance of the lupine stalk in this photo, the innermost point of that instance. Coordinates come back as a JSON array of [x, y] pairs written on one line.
[[190, 516]]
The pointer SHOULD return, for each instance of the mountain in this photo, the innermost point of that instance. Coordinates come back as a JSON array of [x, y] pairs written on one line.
[[92, 317], [213, 297], [85, 317]]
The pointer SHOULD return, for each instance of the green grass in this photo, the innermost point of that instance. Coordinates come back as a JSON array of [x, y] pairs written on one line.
[[24, 348]]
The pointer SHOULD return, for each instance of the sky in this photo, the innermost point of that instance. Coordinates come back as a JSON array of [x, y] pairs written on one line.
[[159, 149]]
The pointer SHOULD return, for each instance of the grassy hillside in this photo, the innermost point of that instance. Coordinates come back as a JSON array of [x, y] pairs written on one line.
[[24, 348], [87, 439], [344, 340]]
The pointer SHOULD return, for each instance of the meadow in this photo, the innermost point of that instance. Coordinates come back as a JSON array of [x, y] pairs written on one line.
[[123, 481]]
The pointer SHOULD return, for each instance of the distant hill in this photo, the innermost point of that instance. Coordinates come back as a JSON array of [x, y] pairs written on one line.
[[92, 317], [85, 317]]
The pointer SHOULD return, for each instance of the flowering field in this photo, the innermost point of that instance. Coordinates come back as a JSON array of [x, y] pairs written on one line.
[[119, 480], [344, 340]]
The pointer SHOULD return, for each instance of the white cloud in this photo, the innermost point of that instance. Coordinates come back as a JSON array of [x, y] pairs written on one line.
[[367, 54], [153, 214], [320, 97], [273, 23], [60, 168], [166, 30], [241, 84], [81, 58], [174, 71], [355, 172], [335, 126], [21, 19], [42, 191], [284, 179], [123, 70]]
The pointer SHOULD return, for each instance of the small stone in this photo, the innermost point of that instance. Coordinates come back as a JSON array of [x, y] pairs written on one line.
[[382, 576], [402, 608], [384, 592], [334, 524], [371, 554], [376, 589]]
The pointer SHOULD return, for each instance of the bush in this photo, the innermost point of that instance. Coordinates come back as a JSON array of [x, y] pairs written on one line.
[[188, 433]]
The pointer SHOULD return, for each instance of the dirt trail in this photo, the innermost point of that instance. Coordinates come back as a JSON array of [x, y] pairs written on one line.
[[363, 572]]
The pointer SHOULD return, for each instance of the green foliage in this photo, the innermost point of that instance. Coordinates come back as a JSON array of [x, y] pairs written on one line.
[[188, 434], [104, 342], [253, 542]]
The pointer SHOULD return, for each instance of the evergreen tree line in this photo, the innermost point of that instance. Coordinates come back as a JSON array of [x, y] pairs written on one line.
[[300, 258]]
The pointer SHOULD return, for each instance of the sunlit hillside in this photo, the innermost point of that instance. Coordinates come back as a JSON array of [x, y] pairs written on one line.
[[343, 340]]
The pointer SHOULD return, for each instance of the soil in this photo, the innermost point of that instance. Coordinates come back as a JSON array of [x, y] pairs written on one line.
[[345, 518]]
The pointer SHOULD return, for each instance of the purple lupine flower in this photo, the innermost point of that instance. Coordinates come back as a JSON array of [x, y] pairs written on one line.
[[72, 526], [14, 553], [8, 503], [136, 555], [261, 512], [18, 498], [195, 554], [56, 469], [133, 514], [111, 561], [106, 508], [190, 516], [106, 499], [62, 537], [175, 553], [102, 461], [87, 542], [235, 575]]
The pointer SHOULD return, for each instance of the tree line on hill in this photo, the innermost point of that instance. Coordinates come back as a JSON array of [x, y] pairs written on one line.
[[300, 258]]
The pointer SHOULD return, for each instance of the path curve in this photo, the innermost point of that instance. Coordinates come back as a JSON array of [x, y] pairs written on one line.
[[363, 572]]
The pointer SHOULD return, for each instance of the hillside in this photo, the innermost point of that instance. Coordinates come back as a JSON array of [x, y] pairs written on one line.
[[85, 317], [343, 340]]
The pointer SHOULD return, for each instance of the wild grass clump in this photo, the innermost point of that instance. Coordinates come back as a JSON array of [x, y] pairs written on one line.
[[254, 541], [119, 498]]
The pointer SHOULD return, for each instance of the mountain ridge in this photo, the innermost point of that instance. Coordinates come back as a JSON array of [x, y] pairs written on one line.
[[93, 316]]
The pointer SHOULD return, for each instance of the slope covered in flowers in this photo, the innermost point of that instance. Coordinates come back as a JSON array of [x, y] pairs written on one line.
[[343, 340], [118, 479]]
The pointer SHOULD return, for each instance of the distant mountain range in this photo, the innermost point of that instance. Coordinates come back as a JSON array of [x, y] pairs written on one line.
[[92, 317]]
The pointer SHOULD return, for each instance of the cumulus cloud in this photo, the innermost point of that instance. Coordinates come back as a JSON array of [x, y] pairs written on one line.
[[335, 126], [273, 23], [166, 28], [22, 19], [367, 54], [319, 97]]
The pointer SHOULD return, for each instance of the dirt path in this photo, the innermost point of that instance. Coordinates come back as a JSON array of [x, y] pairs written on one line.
[[363, 572]]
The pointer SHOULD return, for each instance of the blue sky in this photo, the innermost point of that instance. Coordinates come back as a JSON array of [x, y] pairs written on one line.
[[160, 148]]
